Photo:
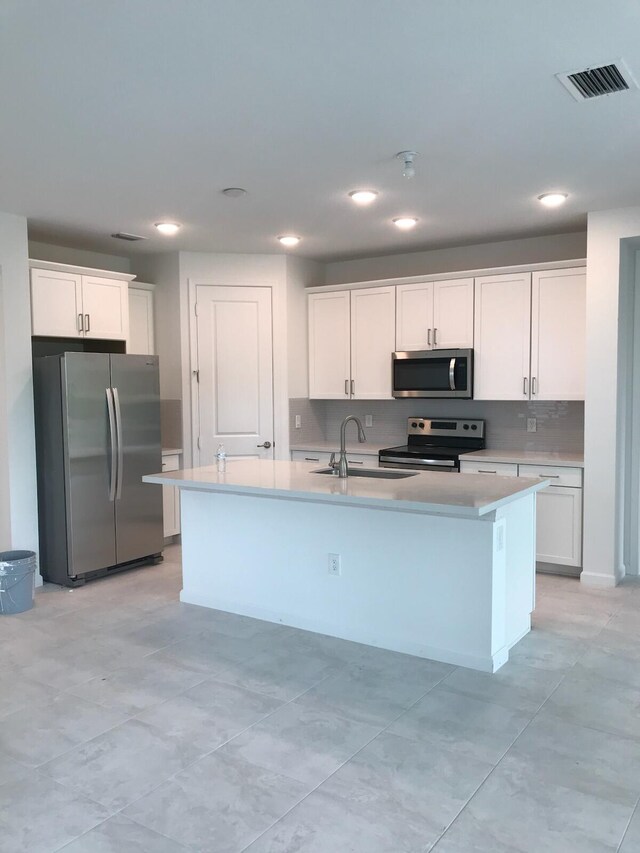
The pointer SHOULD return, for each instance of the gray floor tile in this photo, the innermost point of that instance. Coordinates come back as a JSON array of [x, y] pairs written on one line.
[[598, 703], [211, 652], [121, 835], [39, 733], [480, 730], [39, 816], [626, 622], [603, 664], [547, 651], [17, 692], [123, 764], [515, 685], [303, 743], [423, 782], [376, 693], [210, 713], [324, 824], [631, 841], [137, 687], [597, 763], [566, 623], [220, 804], [10, 770]]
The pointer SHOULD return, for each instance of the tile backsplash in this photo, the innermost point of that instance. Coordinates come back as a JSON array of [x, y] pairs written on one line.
[[560, 425]]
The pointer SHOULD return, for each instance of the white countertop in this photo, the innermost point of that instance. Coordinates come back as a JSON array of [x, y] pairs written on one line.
[[367, 448], [469, 495], [528, 457]]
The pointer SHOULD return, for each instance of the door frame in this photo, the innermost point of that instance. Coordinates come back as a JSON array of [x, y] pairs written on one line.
[[279, 364]]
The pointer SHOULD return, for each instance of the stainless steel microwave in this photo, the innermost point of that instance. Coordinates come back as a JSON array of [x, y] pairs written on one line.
[[433, 373]]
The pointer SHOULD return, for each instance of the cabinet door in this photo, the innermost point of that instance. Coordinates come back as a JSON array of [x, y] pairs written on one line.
[[373, 333], [105, 303], [559, 526], [502, 337], [170, 500], [414, 316], [475, 466], [329, 346], [453, 314], [141, 337], [558, 322], [56, 304]]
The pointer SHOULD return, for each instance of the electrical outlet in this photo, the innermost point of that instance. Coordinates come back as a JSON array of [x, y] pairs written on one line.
[[531, 425], [368, 420], [298, 421], [334, 564]]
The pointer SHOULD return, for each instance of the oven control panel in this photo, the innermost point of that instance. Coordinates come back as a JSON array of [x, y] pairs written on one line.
[[452, 427]]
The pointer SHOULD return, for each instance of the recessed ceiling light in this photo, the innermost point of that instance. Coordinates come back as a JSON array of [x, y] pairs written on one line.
[[405, 222], [553, 199], [363, 196], [234, 192], [168, 228], [289, 240]]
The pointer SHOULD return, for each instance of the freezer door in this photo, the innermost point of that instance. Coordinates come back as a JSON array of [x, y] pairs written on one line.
[[86, 446], [136, 390]]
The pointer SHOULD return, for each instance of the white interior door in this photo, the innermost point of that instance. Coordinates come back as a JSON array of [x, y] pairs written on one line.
[[235, 364]]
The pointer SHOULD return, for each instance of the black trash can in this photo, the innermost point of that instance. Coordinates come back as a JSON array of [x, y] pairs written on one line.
[[17, 570]]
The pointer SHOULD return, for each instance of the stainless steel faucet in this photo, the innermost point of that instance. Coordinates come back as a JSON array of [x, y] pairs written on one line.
[[343, 470]]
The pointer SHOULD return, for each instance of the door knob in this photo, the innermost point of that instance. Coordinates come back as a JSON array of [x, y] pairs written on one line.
[[266, 445]]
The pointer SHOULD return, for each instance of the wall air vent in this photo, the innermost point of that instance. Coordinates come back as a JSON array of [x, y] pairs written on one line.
[[600, 80], [131, 238]]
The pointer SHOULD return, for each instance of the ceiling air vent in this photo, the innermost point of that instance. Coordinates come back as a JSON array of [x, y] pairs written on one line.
[[131, 238], [597, 81]]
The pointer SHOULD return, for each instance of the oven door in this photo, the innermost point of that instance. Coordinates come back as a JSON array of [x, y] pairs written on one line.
[[433, 373], [419, 463]]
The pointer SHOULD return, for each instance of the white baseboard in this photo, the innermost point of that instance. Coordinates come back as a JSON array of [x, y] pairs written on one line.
[[598, 579]]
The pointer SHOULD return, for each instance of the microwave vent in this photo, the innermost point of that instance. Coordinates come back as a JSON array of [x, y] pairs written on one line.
[[597, 81]]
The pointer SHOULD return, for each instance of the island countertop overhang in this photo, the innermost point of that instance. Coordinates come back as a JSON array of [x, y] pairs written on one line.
[[456, 495]]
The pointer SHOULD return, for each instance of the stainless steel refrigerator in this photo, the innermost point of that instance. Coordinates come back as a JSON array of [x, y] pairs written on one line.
[[97, 435]]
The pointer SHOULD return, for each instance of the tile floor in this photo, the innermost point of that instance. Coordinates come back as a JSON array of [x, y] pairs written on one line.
[[130, 722]]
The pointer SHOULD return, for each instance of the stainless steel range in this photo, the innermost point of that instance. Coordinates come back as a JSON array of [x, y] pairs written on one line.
[[435, 445]]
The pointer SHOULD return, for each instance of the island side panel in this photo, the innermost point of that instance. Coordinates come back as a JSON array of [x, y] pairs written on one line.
[[519, 519], [410, 582]]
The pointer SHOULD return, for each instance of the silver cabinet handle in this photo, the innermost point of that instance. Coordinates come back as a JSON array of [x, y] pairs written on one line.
[[265, 444], [311, 459], [87, 324], [435, 337], [534, 385], [428, 337], [80, 323], [354, 461], [353, 387], [548, 476], [113, 441], [484, 471], [524, 386], [120, 471], [452, 374], [346, 387]]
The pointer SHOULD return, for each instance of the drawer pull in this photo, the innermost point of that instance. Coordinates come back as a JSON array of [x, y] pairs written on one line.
[[484, 471], [548, 476], [311, 459], [355, 461]]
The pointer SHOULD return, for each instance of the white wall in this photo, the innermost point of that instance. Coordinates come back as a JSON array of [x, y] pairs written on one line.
[[610, 277], [18, 489], [301, 273], [531, 250], [78, 257]]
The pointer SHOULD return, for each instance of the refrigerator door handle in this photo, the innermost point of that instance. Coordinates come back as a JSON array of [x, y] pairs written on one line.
[[120, 472], [113, 440]]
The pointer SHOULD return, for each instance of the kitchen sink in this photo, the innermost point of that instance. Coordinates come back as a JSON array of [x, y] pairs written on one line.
[[375, 473]]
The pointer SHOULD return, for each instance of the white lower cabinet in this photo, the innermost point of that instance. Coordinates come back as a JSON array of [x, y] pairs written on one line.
[[558, 508], [171, 498]]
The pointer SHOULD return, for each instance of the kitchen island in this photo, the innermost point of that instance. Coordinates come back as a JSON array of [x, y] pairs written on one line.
[[436, 565]]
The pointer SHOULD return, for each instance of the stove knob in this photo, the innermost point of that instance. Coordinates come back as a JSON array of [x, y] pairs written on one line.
[[466, 426], [414, 424], [421, 424], [474, 426]]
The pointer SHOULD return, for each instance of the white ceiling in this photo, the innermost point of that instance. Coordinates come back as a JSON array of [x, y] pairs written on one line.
[[115, 114]]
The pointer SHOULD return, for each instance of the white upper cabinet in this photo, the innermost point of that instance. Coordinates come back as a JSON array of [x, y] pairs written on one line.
[[558, 326], [105, 305], [414, 316], [56, 304], [351, 339], [141, 328], [434, 315], [329, 346], [502, 337], [71, 302], [372, 342]]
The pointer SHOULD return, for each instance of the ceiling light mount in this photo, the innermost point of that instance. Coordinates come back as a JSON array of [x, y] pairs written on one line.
[[169, 229], [408, 168], [553, 199], [363, 197]]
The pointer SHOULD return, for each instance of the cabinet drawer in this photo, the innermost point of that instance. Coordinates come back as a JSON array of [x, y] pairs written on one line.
[[320, 457], [558, 475], [362, 459], [504, 469], [170, 463]]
